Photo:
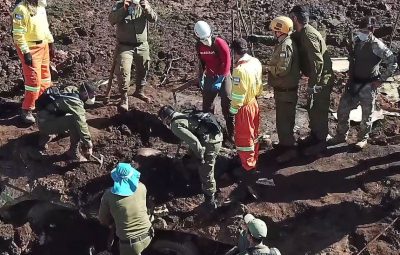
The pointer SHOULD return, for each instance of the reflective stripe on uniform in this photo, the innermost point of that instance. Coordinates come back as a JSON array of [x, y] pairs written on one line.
[[32, 89], [237, 96], [25, 48], [233, 110], [19, 31], [46, 80], [250, 148]]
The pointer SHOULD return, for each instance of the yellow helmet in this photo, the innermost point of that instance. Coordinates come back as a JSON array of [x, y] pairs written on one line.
[[282, 24]]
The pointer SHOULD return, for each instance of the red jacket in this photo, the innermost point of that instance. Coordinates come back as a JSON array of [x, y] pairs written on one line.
[[215, 59]]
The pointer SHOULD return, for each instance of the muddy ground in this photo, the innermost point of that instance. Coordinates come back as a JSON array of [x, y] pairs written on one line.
[[334, 204]]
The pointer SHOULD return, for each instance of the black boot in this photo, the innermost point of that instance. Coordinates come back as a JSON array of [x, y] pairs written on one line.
[[210, 202]]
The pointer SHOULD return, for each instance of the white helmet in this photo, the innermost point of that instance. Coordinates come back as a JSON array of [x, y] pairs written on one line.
[[202, 30]]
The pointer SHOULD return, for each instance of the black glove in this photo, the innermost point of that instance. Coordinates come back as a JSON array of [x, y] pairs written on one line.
[[52, 50], [252, 38], [28, 59]]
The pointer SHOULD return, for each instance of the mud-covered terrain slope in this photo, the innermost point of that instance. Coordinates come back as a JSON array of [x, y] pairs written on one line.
[[333, 204]]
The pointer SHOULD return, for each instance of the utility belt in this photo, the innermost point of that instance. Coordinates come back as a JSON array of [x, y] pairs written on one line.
[[135, 45], [139, 238], [285, 89]]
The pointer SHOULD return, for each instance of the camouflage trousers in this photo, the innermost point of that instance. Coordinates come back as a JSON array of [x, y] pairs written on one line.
[[364, 95], [206, 169]]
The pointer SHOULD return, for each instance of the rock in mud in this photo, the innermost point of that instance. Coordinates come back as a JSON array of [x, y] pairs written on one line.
[[148, 152]]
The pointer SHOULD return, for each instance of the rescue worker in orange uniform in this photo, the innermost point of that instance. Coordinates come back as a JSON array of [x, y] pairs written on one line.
[[247, 86], [35, 47]]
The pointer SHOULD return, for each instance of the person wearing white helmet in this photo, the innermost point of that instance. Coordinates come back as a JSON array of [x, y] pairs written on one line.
[[214, 72]]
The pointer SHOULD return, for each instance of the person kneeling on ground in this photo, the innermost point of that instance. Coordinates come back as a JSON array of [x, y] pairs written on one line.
[[123, 208], [59, 112], [251, 239], [203, 134]]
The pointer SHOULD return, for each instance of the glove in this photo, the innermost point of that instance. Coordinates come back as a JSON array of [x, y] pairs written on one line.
[[252, 38], [217, 84], [314, 90], [87, 150], [52, 50], [28, 59]]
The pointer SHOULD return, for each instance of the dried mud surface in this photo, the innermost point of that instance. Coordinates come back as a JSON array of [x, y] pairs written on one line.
[[333, 204]]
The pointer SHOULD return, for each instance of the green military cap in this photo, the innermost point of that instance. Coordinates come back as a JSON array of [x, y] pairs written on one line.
[[258, 229]]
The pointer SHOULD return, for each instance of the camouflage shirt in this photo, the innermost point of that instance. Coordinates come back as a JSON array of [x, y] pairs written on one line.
[[359, 60], [131, 28]]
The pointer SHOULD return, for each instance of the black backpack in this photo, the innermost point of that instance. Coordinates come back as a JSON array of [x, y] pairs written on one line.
[[49, 96], [207, 121]]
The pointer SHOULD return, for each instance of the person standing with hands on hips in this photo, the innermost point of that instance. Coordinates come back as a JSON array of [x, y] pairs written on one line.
[[131, 18]]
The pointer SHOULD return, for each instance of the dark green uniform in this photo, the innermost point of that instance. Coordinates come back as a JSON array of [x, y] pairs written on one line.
[[283, 76], [129, 214], [67, 113], [132, 43], [316, 64], [204, 145]]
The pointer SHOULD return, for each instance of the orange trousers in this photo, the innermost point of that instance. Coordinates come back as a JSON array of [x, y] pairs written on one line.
[[37, 77], [247, 123]]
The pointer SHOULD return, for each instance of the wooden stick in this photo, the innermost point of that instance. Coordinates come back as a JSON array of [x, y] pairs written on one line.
[[239, 21], [251, 25], [377, 236]]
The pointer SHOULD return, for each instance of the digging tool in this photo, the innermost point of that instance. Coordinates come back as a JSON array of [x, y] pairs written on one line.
[[99, 160], [111, 77], [184, 86], [232, 36]]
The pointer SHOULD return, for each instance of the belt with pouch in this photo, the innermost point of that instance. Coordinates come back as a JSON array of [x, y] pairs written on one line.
[[139, 238]]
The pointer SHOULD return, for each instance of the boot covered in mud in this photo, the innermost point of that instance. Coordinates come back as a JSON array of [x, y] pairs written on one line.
[[246, 185], [139, 93], [74, 154], [124, 102], [210, 203], [27, 117]]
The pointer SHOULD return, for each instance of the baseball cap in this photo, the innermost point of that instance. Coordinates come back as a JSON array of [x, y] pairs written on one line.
[[258, 229]]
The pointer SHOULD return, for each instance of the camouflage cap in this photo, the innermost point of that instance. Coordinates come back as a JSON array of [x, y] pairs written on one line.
[[257, 228]]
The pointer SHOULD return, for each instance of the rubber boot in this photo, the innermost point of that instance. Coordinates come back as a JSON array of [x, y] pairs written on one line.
[[210, 202], [139, 93], [247, 184], [74, 154], [124, 103], [27, 117]]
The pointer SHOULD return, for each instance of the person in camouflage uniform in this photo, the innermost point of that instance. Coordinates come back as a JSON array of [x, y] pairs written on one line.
[[283, 76], [366, 55], [316, 64], [131, 18], [203, 134], [67, 113]]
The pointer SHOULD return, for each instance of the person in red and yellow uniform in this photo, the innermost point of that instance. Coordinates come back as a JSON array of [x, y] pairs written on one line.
[[34, 44], [247, 86]]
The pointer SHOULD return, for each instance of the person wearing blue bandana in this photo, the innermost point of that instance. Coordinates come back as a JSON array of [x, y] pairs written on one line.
[[124, 208]]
